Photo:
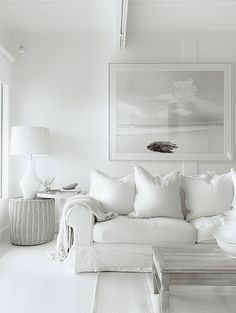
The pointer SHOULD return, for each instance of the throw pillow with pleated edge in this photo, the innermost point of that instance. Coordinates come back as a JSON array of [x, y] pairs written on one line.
[[208, 194], [156, 195], [115, 195]]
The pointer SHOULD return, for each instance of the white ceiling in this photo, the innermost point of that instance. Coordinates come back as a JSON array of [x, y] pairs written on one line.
[[59, 15], [143, 15], [182, 14]]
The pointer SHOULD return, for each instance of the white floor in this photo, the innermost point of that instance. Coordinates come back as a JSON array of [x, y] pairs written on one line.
[[31, 283]]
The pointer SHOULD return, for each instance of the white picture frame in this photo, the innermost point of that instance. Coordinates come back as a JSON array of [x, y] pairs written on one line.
[[164, 91]]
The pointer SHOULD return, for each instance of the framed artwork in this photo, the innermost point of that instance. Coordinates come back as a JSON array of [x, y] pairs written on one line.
[[170, 112]]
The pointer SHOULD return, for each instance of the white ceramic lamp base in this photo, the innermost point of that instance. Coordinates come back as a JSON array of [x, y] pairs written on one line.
[[30, 182]]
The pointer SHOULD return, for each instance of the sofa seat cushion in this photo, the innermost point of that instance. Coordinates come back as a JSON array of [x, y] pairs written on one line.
[[207, 226], [152, 231]]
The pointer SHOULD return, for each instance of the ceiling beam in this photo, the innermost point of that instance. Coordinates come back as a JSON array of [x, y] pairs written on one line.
[[6, 54], [123, 23]]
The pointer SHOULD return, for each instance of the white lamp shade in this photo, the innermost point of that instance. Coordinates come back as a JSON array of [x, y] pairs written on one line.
[[29, 140]]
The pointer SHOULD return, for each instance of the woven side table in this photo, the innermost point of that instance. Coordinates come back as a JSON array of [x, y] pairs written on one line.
[[32, 221]]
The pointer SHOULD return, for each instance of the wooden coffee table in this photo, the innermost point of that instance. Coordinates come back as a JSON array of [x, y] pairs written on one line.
[[200, 264]]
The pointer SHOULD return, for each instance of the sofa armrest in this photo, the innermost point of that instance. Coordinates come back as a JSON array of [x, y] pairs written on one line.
[[81, 220]]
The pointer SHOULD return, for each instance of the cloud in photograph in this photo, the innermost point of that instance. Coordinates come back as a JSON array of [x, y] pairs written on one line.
[[127, 111], [182, 106]]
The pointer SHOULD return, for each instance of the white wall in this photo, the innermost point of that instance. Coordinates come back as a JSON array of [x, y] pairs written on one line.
[[5, 38], [62, 83]]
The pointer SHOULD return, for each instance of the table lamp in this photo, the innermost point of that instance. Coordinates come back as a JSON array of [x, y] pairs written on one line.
[[30, 141]]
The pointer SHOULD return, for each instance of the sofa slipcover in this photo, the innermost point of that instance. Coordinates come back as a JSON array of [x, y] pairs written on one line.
[[207, 226], [151, 231]]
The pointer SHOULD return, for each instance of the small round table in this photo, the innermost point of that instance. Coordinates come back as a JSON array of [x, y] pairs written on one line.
[[32, 221], [60, 198]]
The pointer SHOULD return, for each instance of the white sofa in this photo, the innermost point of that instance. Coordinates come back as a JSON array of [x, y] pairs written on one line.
[[124, 243]]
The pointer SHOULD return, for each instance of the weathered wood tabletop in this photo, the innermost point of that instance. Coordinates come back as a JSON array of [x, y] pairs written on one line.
[[199, 264]]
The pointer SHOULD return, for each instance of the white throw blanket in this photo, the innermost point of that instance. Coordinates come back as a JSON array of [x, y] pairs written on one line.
[[74, 203]]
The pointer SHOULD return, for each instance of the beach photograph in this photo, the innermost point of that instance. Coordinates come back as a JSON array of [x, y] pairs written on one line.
[[170, 111]]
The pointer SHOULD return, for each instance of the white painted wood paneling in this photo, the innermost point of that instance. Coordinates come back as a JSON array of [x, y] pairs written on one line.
[[190, 168], [182, 14], [41, 15], [143, 15], [189, 48]]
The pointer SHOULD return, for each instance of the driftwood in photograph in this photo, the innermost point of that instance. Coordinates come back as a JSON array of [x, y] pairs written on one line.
[[162, 146]]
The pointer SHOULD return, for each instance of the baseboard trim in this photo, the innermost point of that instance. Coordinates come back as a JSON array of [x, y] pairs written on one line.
[[5, 234]]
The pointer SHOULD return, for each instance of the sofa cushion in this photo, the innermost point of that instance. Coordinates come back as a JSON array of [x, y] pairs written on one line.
[[208, 195], [156, 196], [115, 195], [207, 226], [153, 231]]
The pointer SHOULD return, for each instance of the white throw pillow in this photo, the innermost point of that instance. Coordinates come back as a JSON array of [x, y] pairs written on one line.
[[115, 195], [207, 195], [156, 196]]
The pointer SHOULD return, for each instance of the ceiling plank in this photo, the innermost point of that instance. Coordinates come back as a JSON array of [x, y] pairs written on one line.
[[110, 16]]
